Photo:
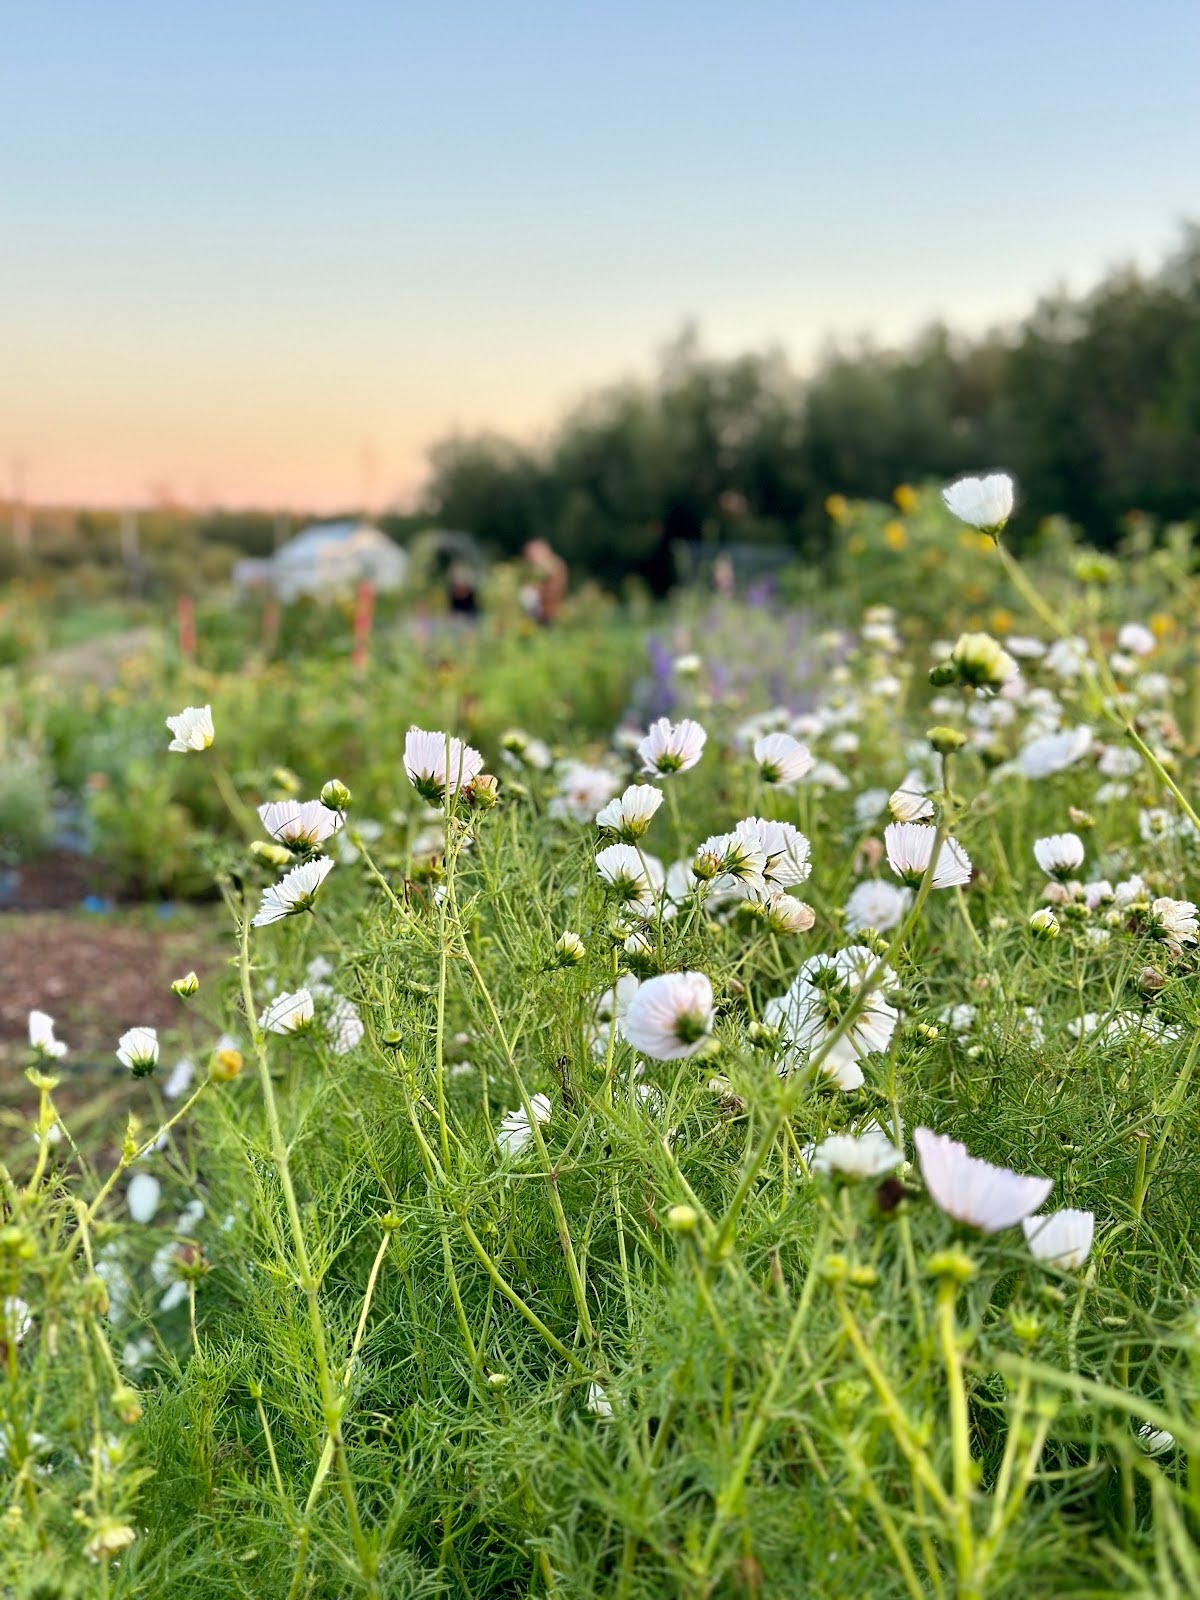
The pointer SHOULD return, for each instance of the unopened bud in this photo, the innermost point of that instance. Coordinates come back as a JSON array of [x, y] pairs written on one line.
[[682, 1219], [946, 740], [954, 1264], [225, 1065], [1151, 981], [483, 791], [284, 778], [1043, 924], [274, 855], [569, 950], [944, 673], [335, 796], [186, 986], [127, 1404]]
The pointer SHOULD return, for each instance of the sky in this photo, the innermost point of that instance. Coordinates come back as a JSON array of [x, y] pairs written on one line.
[[267, 254]]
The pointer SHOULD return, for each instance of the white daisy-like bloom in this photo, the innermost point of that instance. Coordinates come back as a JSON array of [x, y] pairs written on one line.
[[869, 1154], [1153, 686], [876, 904], [1069, 658], [515, 1130], [180, 1079], [299, 824], [731, 861], [1155, 1441], [1053, 752], [142, 1196], [1129, 891], [812, 1009], [1060, 1238], [193, 729], [437, 765], [1022, 645], [635, 878], [671, 746], [288, 1013], [137, 1049], [909, 847], [1156, 823], [343, 1026], [1059, 855], [598, 1402], [869, 805], [781, 759], [670, 1016], [1136, 640], [582, 790], [909, 805], [15, 1323], [785, 848], [1117, 761], [613, 1004], [1174, 922], [1096, 893], [973, 1191], [984, 503], [294, 892], [631, 813], [41, 1037]]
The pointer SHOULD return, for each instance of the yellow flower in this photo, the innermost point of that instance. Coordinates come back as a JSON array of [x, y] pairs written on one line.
[[1001, 620], [837, 507], [1161, 624], [895, 535], [905, 497]]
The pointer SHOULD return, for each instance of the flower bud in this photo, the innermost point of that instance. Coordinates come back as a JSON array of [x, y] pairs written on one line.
[[284, 778], [682, 1219], [944, 673], [335, 796], [926, 1032], [127, 1404], [946, 740], [1151, 981], [1044, 924], [569, 950], [273, 855], [225, 1066], [981, 662], [1080, 819], [186, 986], [954, 1264], [483, 791]]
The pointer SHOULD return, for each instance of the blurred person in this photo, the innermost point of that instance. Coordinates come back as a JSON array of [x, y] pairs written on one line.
[[542, 597]]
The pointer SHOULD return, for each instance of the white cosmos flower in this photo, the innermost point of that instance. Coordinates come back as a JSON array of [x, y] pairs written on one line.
[[15, 1323], [909, 848], [672, 747], [41, 1037], [727, 861], [866, 1155], [300, 824], [515, 1130], [1061, 1238], [1117, 761], [288, 1013], [1174, 922], [1154, 1441], [193, 729], [1053, 752], [437, 765], [910, 805], [598, 1402], [635, 878], [630, 815], [785, 848], [582, 789], [295, 891], [781, 759], [137, 1049], [344, 1026], [1059, 854], [984, 503], [670, 1016], [1136, 640], [142, 1196], [612, 1003], [974, 1191], [811, 1011], [876, 904]]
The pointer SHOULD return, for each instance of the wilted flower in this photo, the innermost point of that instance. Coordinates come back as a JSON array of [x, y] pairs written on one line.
[[670, 1016], [866, 1155], [515, 1130], [909, 849], [973, 1191], [438, 765], [193, 729], [288, 1013], [41, 1037], [671, 747], [1060, 1238], [294, 892], [781, 759], [983, 503], [1174, 922], [137, 1049], [1060, 854], [300, 825], [631, 814]]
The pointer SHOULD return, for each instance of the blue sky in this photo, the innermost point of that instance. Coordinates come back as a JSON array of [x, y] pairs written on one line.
[[242, 246]]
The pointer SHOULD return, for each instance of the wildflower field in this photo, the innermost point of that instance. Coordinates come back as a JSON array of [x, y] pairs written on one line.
[[692, 1102]]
